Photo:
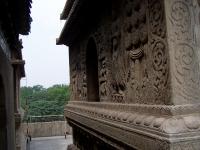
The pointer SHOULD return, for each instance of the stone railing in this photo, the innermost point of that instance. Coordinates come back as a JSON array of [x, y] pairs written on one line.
[[46, 118], [45, 129], [48, 125]]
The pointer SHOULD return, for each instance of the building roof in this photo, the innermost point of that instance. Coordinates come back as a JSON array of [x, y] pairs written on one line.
[[80, 16], [69, 14], [66, 10], [15, 19]]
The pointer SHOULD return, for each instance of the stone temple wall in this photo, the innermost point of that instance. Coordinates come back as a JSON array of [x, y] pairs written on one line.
[[148, 76], [133, 56]]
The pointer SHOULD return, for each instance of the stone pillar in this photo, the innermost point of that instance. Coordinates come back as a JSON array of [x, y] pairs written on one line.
[[183, 35], [182, 18]]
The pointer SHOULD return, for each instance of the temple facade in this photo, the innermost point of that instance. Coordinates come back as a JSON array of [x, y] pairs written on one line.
[[14, 21], [134, 73]]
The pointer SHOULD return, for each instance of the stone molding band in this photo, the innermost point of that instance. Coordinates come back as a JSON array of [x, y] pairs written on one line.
[[166, 125], [169, 110], [132, 134]]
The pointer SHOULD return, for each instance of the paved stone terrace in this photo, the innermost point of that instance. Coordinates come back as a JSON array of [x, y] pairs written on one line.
[[50, 143]]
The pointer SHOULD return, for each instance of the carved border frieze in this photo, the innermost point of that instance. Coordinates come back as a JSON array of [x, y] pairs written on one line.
[[164, 119]]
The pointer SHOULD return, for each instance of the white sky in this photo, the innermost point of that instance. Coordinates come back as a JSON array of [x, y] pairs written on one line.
[[46, 63]]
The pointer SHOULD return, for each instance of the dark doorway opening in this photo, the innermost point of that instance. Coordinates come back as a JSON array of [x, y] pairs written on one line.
[[92, 72], [3, 124]]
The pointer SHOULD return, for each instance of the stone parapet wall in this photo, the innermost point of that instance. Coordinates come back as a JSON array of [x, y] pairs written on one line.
[[44, 129]]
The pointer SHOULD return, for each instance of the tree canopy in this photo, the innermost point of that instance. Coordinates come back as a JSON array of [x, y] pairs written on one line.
[[44, 101]]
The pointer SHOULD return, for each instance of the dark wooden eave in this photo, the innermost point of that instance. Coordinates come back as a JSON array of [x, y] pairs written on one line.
[[66, 10], [15, 19], [80, 16], [20, 13], [70, 12]]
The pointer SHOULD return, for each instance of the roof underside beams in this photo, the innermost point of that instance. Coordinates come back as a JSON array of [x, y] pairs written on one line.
[[15, 19], [82, 15]]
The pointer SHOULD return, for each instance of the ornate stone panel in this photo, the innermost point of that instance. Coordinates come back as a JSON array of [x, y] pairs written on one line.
[[83, 79], [75, 74], [135, 39], [183, 38], [102, 36], [140, 60], [159, 52], [133, 63]]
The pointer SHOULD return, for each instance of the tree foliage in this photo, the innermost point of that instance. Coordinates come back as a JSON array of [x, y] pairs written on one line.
[[44, 101]]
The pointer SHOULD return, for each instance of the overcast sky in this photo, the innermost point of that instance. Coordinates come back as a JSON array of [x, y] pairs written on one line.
[[46, 62]]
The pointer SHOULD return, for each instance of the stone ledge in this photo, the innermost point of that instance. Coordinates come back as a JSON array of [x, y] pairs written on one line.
[[138, 130], [168, 126], [118, 135]]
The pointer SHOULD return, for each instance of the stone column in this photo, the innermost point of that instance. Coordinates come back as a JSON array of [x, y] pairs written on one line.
[[183, 35], [182, 18]]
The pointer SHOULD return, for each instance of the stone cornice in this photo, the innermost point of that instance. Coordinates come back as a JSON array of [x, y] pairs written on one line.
[[136, 136], [157, 121], [169, 110]]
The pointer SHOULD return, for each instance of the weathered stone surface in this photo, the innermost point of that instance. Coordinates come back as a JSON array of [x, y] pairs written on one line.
[[146, 85]]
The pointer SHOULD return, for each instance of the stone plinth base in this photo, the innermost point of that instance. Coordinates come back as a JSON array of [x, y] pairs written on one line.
[[121, 126]]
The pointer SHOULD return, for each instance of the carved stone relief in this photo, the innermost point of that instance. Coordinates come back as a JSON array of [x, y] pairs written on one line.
[[159, 52], [75, 72], [83, 73], [184, 49], [104, 62], [148, 55], [119, 64], [145, 75], [135, 41], [104, 91]]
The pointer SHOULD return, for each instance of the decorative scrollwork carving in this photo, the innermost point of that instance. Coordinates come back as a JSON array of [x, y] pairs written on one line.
[[157, 18], [184, 48], [184, 62], [159, 54], [165, 124], [160, 64], [187, 71], [181, 19]]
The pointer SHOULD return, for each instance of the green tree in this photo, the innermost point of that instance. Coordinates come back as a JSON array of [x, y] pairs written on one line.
[[45, 101]]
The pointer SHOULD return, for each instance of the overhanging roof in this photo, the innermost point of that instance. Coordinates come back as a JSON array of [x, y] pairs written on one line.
[[69, 13], [81, 16], [66, 10], [15, 19]]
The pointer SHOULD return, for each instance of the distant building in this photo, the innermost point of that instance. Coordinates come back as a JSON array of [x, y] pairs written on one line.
[[14, 20], [134, 73]]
